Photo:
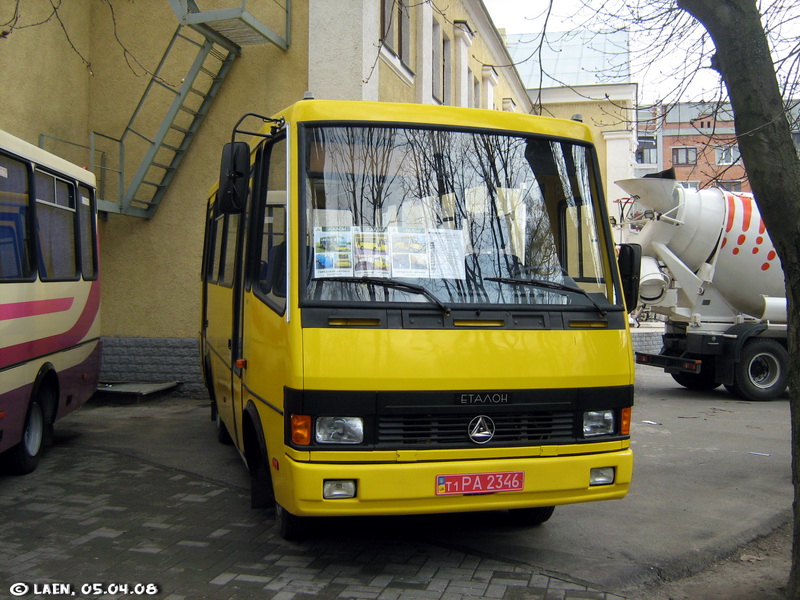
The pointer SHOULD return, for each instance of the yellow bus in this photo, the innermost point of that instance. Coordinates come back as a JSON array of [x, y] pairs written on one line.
[[486, 366]]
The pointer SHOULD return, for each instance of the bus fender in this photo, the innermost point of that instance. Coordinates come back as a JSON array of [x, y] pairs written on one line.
[[255, 453], [208, 382], [47, 376]]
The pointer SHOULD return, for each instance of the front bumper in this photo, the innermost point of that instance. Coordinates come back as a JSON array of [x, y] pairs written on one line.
[[410, 488]]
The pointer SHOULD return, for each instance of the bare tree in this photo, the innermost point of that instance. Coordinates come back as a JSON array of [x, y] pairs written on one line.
[[755, 49], [746, 66]]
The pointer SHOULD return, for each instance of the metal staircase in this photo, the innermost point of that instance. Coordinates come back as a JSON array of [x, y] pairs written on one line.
[[173, 105]]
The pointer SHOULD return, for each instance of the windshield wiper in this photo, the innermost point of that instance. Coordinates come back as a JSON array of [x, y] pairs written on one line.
[[550, 285], [394, 284]]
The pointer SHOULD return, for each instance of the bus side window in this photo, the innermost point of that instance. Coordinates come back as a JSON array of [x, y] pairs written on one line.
[[214, 246], [271, 285], [228, 235], [87, 226], [15, 258], [55, 228]]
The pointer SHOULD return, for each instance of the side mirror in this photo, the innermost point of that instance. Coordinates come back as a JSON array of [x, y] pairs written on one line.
[[630, 262], [234, 178]]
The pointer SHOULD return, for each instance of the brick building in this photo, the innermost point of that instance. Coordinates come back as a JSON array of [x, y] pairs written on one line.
[[697, 139]]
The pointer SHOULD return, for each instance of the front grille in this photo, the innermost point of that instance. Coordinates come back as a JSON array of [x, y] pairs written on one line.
[[451, 430]]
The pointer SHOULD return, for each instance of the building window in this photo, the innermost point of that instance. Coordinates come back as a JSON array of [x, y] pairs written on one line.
[[684, 156], [691, 185], [732, 185], [647, 152], [441, 65], [476, 92], [446, 70], [396, 29], [727, 155]]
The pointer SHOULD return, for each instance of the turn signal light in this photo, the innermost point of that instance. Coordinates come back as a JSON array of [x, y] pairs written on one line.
[[301, 430], [625, 421]]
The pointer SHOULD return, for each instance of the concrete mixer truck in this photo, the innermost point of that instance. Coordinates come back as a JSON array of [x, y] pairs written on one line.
[[709, 266]]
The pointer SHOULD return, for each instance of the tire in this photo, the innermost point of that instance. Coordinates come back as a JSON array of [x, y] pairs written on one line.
[[762, 371], [291, 527], [223, 437], [702, 381], [24, 457], [530, 517], [262, 494]]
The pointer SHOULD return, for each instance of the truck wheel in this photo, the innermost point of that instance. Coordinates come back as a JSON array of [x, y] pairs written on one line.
[[532, 516], [761, 373], [702, 381], [24, 457]]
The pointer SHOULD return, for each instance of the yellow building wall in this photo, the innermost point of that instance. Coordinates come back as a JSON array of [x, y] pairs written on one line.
[[151, 267], [45, 86], [392, 87]]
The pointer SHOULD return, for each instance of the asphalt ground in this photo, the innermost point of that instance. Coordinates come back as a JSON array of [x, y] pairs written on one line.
[[141, 495]]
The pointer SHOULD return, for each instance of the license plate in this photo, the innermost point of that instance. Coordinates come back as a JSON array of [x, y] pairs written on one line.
[[480, 483]]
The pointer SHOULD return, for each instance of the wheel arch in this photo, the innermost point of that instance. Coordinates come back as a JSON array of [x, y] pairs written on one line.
[[254, 447], [47, 377], [208, 381], [254, 442], [743, 332]]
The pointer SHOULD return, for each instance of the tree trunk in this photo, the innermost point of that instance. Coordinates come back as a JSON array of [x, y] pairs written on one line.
[[743, 60]]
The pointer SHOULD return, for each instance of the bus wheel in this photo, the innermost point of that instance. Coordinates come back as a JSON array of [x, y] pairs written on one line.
[[529, 517], [762, 371], [261, 492], [223, 437], [24, 457], [291, 527]]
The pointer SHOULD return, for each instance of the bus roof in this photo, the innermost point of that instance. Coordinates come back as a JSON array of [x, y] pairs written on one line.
[[430, 114], [43, 158]]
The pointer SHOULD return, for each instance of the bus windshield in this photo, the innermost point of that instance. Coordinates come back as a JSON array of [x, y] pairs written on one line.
[[450, 217]]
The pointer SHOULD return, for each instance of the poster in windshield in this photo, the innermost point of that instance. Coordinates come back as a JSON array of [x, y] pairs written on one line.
[[400, 252], [333, 252]]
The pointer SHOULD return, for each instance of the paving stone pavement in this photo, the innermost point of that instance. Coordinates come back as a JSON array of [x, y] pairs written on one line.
[[91, 515]]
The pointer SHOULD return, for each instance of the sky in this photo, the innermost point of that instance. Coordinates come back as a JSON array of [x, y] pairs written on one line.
[[527, 16], [657, 79]]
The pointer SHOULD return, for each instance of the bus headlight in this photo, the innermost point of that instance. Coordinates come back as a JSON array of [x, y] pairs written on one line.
[[598, 422], [339, 430]]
